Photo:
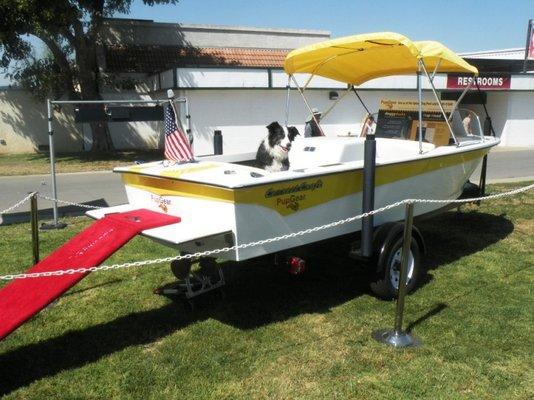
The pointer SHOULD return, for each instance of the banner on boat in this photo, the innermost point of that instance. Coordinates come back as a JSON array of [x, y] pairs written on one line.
[[400, 119]]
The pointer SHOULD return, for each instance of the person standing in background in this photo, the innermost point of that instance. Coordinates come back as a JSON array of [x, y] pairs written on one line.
[[312, 129]]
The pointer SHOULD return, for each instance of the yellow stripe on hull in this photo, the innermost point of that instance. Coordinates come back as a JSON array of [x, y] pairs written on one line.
[[288, 197]]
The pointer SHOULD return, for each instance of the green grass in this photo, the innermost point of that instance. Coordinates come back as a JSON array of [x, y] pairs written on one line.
[[274, 337], [39, 163]]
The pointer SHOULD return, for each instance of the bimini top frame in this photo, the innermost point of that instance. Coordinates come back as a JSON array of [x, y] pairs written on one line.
[[359, 58]]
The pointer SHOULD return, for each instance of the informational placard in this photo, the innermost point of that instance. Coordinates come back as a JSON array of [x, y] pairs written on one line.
[[400, 119], [485, 82]]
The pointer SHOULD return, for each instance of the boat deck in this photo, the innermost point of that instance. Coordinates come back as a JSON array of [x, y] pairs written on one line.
[[308, 157]]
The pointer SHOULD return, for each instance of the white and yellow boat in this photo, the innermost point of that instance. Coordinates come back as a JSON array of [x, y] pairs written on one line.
[[223, 204]]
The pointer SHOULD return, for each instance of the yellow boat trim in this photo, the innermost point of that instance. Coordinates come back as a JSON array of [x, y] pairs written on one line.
[[178, 172], [288, 197]]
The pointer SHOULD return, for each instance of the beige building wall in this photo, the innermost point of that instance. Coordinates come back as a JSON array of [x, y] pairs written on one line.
[[24, 128], [147, 32]]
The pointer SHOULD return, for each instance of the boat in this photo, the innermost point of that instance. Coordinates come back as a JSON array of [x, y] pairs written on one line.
[[226, 205]]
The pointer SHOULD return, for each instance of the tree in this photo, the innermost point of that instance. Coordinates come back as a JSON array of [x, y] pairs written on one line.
[[70, 31]]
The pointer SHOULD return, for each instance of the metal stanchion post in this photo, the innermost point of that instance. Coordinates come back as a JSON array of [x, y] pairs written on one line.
[[35, 229], [397, 337], [56, 224]]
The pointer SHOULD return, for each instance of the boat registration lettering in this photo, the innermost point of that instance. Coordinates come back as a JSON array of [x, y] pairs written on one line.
[[292, 202], [161, 202], [299, 187]]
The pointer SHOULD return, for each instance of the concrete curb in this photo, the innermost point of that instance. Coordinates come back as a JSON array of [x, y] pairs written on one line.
[[511, 180], [57, 174]]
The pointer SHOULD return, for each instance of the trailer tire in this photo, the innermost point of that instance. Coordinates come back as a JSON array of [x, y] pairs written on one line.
[[385, 283]]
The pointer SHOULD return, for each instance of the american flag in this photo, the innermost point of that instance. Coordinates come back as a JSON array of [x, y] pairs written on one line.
[[177, 146]]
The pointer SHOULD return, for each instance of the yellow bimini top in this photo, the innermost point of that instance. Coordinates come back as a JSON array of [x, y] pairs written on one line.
[[359, 58]]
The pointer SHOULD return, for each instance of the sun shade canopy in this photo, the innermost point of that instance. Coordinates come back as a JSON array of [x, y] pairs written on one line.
[[359, 58]]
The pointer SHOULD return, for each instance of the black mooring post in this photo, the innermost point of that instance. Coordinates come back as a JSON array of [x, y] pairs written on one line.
[[34, 210], [482, 183], [368, 195], [217, 142]]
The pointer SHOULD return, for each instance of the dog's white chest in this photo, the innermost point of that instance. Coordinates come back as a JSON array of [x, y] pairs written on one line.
[[275, 166]]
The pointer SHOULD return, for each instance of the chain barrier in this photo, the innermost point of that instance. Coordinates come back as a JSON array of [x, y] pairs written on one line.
[[70, 203], [250, 244], [44, 197], [16, 205], [474, 199]]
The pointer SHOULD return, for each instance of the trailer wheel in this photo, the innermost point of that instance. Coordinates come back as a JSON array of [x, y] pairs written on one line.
[[181, 268], [386, 283]]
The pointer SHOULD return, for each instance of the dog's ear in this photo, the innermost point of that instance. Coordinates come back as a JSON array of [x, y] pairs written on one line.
[[273, 125], [292, 132]]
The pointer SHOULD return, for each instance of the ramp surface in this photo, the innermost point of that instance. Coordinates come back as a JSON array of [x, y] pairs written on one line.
[[23, 298]]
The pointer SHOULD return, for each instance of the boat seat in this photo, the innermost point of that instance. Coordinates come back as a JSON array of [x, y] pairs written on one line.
[[322, 151]]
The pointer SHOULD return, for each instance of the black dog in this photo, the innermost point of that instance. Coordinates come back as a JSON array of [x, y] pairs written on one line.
[[272, 155]]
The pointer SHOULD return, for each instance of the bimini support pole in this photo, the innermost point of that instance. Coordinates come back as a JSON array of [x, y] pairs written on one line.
[[288, 89], [455, 106], [420, 100], [306, 103], [325, 113], [361, 101], [439, 102]]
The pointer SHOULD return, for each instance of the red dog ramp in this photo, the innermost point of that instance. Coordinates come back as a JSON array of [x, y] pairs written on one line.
[[23, 298]]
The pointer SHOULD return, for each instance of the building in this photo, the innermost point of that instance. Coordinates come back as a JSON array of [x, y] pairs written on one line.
[[234, 82]]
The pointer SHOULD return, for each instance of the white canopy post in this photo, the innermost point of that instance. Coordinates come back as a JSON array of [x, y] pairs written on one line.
[[439, 102], [288, 88], [306, 103], [420, 100]]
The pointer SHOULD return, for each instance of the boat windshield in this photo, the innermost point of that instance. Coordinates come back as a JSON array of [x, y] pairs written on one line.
[[466, 125]]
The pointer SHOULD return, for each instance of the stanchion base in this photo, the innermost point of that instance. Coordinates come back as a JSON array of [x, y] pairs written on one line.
[[51, 225], [396, 339]]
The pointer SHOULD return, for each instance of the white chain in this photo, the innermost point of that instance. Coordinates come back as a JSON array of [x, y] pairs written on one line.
[[474, 199], [70, 203], [252, 244], [24, 200], [42, 196], [198, 254]]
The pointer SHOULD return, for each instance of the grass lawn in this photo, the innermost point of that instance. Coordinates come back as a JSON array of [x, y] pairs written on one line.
[[39, 163], [274, 337]]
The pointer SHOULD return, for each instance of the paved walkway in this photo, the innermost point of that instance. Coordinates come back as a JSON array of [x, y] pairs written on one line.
[[98, 188], [105, 188]]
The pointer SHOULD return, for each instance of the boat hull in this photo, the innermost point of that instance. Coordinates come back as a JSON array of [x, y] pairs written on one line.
[[215, 217], [424, 182]]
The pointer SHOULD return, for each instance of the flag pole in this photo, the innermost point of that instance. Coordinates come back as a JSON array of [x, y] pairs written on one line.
[[171, 96]]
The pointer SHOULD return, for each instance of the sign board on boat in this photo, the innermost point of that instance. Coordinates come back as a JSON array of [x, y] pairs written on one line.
[[400, 119]]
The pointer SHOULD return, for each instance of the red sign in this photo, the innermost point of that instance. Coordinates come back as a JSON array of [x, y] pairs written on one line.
[[530, 40], [493, 82]]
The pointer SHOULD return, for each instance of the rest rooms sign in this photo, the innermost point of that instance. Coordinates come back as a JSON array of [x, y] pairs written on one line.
[[493, 82]]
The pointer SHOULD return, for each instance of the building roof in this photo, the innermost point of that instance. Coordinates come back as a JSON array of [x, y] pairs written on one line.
[[517, 53], [149, 59]]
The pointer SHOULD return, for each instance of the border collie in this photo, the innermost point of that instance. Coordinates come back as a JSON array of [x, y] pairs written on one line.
[[272, 154]]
